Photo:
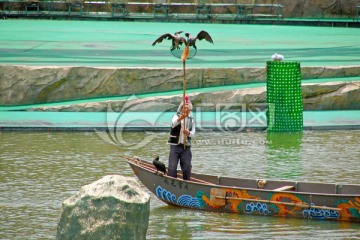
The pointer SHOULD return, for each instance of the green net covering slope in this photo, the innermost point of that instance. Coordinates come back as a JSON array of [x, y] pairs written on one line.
[[284, 97]]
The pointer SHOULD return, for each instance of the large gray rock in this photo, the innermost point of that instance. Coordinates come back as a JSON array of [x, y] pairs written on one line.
[[114, 207]]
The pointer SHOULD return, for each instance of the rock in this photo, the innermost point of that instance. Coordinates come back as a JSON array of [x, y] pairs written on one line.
[[114, 207], [318, 89], [316, 96], [291, 9], [23, 85], [329, 72], [316, 8], [329, 7], [334, 96]]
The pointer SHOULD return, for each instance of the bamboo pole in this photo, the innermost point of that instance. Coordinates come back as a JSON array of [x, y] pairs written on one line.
[[184, 103], [183, 58]]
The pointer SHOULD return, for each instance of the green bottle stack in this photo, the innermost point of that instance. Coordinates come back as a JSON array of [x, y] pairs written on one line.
[[284, 109]]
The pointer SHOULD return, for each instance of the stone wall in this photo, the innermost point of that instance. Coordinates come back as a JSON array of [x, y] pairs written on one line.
[[21, 85], [316, 96], [291, 8], [316, 8]]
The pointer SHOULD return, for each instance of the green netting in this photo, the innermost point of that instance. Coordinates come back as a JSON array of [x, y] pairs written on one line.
[[284, 97], [39, 42]]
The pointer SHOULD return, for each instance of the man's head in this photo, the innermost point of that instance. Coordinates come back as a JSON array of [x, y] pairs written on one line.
[[187, 109], [188, 103]]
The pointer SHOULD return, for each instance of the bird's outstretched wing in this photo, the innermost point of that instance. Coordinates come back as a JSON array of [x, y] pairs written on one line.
[[204, 35], [167, 36]]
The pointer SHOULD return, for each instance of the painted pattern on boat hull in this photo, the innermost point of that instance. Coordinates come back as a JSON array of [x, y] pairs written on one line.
[[202, 201]]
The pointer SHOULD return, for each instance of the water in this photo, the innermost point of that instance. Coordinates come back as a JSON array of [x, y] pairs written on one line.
[[39, 170]]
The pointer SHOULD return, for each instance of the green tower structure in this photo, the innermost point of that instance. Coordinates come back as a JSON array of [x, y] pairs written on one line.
[[284, 108]]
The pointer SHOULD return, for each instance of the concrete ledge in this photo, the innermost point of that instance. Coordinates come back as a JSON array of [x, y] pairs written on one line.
[[67, 121]]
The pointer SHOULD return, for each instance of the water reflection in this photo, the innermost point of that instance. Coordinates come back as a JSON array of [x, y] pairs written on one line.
[[283, 154]]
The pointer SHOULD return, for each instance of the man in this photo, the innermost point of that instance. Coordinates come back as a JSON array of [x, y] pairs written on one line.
[[179, 130]]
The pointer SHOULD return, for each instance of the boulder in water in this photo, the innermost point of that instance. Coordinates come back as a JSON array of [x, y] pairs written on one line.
[[114, 207]]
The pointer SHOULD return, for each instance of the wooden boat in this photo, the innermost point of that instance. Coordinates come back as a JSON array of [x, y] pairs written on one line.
[[252, 196]]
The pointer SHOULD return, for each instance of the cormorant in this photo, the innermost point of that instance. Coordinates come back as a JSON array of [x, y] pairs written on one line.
[[159, 165], [201, 35], [177, 40]]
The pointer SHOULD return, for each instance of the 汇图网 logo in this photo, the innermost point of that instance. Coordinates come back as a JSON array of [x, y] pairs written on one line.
[[135, 115]]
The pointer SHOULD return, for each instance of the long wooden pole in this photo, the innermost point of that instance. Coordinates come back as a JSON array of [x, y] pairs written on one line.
[[183, 58], [184, 102]]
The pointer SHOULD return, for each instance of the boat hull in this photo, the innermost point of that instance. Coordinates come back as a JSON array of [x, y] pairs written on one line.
[[202, 195]]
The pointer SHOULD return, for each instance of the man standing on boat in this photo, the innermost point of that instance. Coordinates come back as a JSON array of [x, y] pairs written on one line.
[[182, 126]]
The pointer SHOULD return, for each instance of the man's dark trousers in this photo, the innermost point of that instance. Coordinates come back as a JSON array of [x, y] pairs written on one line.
[[177, 152]]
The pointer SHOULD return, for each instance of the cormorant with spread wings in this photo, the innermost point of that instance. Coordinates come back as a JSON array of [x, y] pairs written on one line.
[[177, 40], [201, 35]]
